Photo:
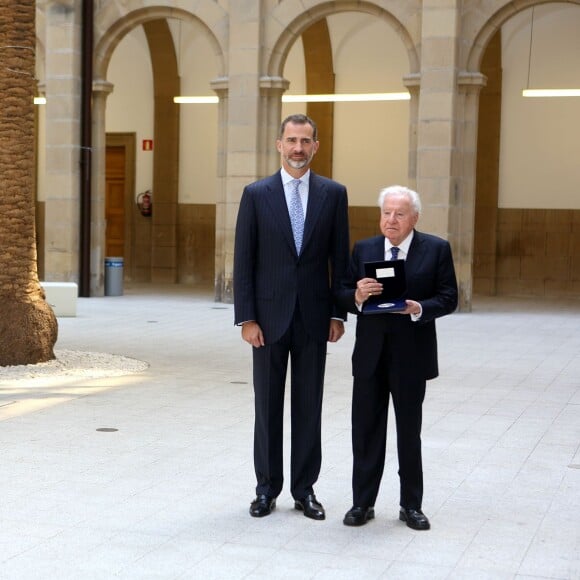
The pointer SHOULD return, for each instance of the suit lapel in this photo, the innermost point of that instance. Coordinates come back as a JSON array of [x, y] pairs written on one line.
[[371, 251], [316, 197], [416, 252], [276, 199], [378, 249]]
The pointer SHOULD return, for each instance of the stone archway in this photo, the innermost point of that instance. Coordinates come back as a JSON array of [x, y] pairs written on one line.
[[284, 25], [501, 245], [104, 48], [278, 45]]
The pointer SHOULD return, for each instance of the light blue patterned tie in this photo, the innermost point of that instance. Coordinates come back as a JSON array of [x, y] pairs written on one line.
[[394, 252], [296, 215]]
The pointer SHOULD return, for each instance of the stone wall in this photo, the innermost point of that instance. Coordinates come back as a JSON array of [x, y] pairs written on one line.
[[537, 254]]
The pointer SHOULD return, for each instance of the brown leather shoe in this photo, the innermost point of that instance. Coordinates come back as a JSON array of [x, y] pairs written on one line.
[[415, 519], [358, 516], [262, 506], [311, 507]]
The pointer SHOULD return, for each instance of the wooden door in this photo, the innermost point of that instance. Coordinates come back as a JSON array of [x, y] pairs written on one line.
[[115, 201]]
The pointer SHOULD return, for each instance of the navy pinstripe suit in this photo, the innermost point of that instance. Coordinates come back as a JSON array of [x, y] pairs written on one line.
[[394, 355], [292, 298]]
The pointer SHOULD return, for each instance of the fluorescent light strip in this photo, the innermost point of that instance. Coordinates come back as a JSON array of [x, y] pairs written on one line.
[[345, 98], [195, 100], [551, 93]]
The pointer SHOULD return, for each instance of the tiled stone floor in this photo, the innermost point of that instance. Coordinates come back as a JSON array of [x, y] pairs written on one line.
[[166, 495]]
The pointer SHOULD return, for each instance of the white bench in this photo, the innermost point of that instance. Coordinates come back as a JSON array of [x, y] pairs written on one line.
[[62, 297]]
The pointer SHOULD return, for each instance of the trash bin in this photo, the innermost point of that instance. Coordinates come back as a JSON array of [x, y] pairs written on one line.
[[113, 276]]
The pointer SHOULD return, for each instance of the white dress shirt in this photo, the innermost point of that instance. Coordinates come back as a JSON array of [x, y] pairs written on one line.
[[287, 180], [403, 247]]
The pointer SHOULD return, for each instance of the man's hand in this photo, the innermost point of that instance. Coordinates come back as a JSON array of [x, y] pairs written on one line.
[[252, 333], [412, 308], [336, 330], [366, 287]]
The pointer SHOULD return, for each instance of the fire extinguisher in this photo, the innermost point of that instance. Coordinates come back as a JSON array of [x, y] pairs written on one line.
[[145, 203]]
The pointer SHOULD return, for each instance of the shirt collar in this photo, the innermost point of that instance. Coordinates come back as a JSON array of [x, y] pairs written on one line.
[[403, 246], [287, 178]]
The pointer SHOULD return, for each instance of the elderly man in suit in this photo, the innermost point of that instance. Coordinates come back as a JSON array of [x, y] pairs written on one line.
[[395, 353], [291, 250]]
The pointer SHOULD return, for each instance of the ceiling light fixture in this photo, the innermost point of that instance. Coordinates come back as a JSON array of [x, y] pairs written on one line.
[[344, 98], [195, 100], [551, 93], [527, 92]]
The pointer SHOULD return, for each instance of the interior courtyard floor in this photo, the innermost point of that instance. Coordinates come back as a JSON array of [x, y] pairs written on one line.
[[149, 475]]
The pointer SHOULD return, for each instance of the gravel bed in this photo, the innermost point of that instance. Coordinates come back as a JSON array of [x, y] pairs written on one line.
[[72, 363]]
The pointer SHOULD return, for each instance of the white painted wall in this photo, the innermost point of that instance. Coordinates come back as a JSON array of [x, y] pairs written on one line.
[[199, 123], [130, 108], [371, 139], [130, 105], [540, 138]]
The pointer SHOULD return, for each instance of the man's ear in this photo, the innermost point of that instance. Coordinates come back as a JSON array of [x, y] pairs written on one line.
[[279, 145]]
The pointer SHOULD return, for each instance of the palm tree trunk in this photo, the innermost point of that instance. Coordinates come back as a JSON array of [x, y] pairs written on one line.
[[28, 326]]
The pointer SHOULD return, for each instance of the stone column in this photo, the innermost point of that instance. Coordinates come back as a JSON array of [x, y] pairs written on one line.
[[438, 166], [469, 88], [272, 89], [242, 138], [220, 86], [63, 98], [413, 84], [101, 90]]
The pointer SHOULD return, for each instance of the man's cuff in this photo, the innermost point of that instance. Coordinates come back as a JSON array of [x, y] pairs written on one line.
[[417, 317]]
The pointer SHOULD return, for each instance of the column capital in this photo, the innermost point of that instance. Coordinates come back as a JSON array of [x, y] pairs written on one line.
[[412, 82], [471, 81], [103, 86], [220, 84], [274, 83]]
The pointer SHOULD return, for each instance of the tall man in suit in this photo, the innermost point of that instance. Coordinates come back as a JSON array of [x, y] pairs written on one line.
[[395, 353], [284, 286]]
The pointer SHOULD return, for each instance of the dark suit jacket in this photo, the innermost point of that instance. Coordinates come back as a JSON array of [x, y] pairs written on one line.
[[269, 277], [430, 277]]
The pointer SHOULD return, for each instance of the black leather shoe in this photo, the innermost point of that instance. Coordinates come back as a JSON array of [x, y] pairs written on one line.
[[415, 519], [262, 506], [311, 507], [358, 516]]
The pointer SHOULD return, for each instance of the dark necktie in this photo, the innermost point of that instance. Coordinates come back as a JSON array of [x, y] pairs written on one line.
[[394, 252], [296, 215]]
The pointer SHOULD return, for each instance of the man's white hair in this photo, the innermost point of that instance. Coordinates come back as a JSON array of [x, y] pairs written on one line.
[[401, 190]]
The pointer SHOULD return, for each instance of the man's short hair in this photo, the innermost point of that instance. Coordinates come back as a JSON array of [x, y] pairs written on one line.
[[401, 190], [299, 119]]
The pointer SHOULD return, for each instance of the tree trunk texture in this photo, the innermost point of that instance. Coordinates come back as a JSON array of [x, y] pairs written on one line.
[[28, 326]]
